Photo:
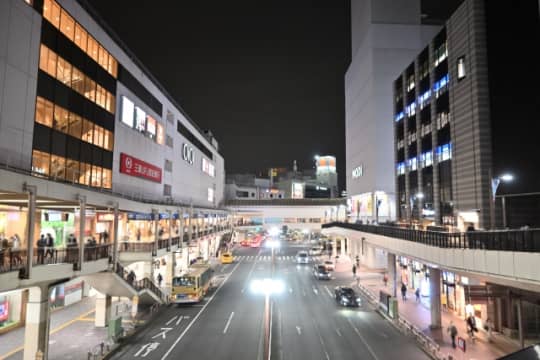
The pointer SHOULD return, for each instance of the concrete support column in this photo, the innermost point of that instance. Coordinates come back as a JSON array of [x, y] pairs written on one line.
[[103, 309], [36, 332], [170, 268], [343, 247], [155, 216], [392, 274], [190, 227], [115, 236], [435, 297], [30, 222], [334, 247], [170, 228], [82, 228]]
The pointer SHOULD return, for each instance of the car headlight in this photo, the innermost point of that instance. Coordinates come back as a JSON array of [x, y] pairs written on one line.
[[344, 299], [358, 300]]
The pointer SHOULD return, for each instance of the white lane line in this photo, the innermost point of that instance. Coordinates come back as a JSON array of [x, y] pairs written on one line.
[[228, 323], [338, 332], [303, 292], [315, 290], [198, 314], [170, 321], [290, 290], [179, 320], [299, 330], [249, 275], [328, 291], [363, 340]]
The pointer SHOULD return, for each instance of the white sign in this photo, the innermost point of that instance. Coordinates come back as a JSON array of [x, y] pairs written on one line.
[[188, 154], [358, 171]]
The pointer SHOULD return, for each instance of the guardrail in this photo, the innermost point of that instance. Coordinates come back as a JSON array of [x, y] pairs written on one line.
[[500, 240], [139, 285]]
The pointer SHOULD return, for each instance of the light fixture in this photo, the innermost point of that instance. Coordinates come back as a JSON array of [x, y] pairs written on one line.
[[420, 195], [506, 177]]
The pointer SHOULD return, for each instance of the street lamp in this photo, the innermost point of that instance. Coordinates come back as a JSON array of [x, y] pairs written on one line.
[[495, 181], [267, 287]]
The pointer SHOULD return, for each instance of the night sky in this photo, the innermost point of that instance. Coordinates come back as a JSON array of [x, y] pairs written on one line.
[[267, 78]]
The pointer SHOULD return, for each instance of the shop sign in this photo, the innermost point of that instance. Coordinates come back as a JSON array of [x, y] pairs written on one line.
[[188, 154], [461, 344], [140, 216], [102, 217], [4, 310], [358, 172], [132, 166]]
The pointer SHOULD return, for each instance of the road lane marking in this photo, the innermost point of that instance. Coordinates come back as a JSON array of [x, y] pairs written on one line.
[[338, 332], [363, 340], [179, 320], [198, 314], [328, 291], [315, 290], [228, 323], [171, 320], [299, 330]]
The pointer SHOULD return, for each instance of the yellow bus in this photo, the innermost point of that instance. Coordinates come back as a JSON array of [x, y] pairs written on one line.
[[192, 286]]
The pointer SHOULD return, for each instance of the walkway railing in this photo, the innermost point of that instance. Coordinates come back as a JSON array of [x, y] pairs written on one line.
[[14, 260], [502, 240], [140, 285]]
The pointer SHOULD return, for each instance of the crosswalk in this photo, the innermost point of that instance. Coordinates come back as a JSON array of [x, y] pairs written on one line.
[[252, 258]]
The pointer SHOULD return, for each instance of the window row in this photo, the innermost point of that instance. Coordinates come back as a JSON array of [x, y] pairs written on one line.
[[208, 168], [444, 152], [74, 171], [442, 119], [410, 109], [441, 85], [60, 119], [423, 100], [399, 116], [60, 19], [136, 118], [410, 83], [440, 54], [72, 77]]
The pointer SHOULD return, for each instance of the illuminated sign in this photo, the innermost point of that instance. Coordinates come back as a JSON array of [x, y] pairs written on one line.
[[208, 167], [132, 166], [358, 172], [188, 154], [297, 191]]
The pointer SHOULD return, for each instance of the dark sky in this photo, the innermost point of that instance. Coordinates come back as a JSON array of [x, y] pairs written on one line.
[[265, 77]]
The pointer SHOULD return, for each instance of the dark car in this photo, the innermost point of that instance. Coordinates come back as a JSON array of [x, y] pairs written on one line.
[[320, 272], [346, 296]]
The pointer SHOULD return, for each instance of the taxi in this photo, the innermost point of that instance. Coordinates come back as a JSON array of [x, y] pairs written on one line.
[[226, 258]]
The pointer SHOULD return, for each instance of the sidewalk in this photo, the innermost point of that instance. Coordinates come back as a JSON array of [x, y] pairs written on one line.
[[72, 335], [418, 313]]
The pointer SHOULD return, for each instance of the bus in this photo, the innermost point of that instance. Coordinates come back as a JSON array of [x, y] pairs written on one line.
[[192, 286]]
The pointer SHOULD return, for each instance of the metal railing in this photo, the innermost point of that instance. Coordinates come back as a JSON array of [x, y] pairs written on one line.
[[136, 246], [14, 260], [139, 285], [500, 240]]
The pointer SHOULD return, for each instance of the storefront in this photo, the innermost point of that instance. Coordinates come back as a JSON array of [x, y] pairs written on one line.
[[12, 221], [12, 309], [66, 293], [60, 225]]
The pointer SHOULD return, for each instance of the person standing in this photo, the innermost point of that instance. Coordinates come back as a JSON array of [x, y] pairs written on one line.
[[15, 250], [453, 333], [138, 234], [159, 279], [417, 294], [489, 329], [404, 291], [41, 243], [385, 279], [354, 271]]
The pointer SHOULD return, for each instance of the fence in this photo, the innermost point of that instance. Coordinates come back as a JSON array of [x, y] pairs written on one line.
[[502, 240]]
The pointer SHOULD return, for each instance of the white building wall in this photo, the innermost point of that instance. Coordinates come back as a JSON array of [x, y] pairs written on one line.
[[20, 31]]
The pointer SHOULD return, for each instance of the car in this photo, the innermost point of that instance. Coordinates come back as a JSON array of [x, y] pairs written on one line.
[[345, 296], [226, 258], [315, 251], [320, 272], [302, 257], [329, 265], [244, 243]]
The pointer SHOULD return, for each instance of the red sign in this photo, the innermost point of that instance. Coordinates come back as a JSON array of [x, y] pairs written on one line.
[[462, 344], [132, 166]]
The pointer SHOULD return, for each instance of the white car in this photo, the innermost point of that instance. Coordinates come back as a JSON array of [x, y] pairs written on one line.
[[315, 251], [302, 257]]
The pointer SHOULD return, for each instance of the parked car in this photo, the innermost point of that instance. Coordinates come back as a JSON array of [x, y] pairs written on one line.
[[345, 296], [329, 265]]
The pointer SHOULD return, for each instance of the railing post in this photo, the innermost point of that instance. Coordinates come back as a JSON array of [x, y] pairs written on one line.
[[30, 221], [155, 213], [115, 234]]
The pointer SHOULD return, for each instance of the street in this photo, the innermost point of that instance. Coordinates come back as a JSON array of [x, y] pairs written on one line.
[[306, 321]]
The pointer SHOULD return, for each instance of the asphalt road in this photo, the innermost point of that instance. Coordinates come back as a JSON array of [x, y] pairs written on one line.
[[306, 321]]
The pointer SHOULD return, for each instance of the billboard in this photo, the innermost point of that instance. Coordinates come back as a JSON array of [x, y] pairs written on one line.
[[132, 166], [297, 191]]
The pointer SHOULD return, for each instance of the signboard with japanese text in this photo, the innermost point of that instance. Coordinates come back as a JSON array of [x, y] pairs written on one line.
[[132, 166]]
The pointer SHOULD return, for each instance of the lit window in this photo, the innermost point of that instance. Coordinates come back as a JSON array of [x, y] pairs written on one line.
[[151, 127], [81, 37], [461, 71], [140, 119], [107, 179], [75, 125], [444, 152], [399, 116], [410, 109], [58, 167], [72, 170], [40, 162], [44, 112], [210, 195], [61, 119], [88, 129], [160, 137], [67, 25]]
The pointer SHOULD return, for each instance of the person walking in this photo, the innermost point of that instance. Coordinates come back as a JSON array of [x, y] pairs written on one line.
[[354, 271], [50, 246], [404, 291], [15, 250], [385, 279], [417, 294], [489, 328], [453, 333], [159, 279], [138, 235], [471, 326]]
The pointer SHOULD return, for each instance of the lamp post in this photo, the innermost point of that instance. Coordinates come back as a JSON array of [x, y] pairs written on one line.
[[495, 181]]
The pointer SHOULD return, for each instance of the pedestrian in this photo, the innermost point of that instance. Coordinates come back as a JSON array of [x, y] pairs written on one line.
[[385, 279], [41, 243], [354, 271], [131, 277], [417, 293], [404, 291], [489, 328], [159, 279], [453, 333], [15, 249], [357, 261], [471, 326], [50, 246], [105, 237], [138, 235]]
